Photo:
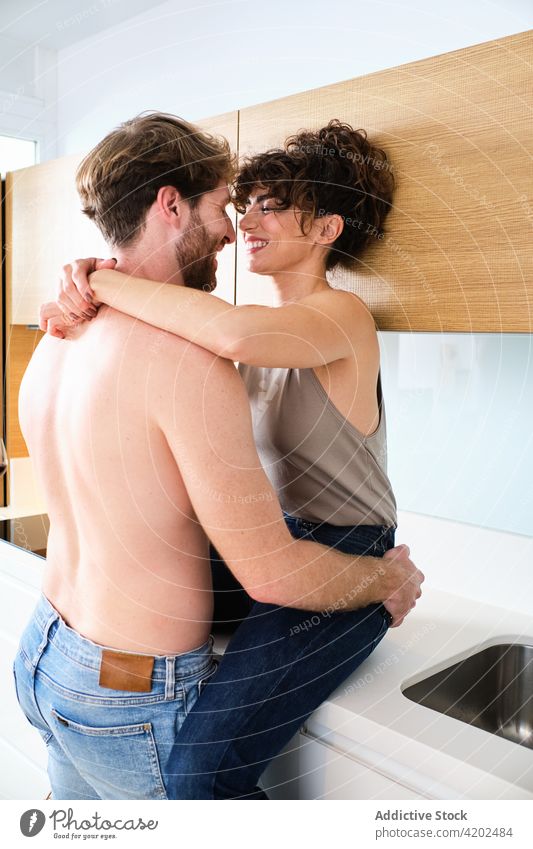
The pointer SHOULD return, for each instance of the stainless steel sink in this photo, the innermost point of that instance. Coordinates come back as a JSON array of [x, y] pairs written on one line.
[[492, 689]]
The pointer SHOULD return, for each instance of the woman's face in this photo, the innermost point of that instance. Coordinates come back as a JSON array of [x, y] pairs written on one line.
[[273, 239]]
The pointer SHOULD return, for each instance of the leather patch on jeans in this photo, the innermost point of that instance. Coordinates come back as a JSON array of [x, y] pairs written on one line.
[[121, 671]]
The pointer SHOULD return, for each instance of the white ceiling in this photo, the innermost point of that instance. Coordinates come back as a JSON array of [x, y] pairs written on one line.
[[59, 23]]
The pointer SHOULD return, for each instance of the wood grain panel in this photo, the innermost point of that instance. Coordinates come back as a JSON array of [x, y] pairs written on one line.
[[45, 229], [20, 345], [3, 488], [458, 128], [226, 125]]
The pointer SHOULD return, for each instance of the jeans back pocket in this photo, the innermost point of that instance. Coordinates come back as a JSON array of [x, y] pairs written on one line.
[[118, 761]]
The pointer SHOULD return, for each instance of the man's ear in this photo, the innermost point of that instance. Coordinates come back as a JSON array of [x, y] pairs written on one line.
[[328, 229], [171, 205]]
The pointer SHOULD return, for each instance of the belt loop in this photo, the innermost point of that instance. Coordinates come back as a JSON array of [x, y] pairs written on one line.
[[53, 618], [170, 679]]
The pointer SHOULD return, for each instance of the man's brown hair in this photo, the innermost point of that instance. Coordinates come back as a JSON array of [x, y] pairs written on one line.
[[119, 179]]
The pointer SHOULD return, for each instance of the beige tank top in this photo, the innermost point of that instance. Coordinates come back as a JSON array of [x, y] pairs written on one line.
[[321, 466]]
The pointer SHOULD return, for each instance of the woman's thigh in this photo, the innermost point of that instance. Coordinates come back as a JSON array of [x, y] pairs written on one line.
[[280, 665]]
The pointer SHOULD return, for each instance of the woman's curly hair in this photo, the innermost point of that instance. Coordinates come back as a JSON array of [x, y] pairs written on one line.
[[331, 171]]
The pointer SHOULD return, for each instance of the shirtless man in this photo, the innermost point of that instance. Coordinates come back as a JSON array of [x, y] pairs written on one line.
[[143, 446]]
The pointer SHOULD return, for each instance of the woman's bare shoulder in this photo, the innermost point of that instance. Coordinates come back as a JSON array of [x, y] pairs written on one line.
[[343, 303]]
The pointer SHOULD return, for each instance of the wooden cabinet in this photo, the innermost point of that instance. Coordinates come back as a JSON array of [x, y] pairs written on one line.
[[225, 125], [3, 487], [21, 342], [457, 256], [44, 229]]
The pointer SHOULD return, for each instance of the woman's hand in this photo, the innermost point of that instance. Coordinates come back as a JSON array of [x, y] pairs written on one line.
[[53, 321], [75, 298]]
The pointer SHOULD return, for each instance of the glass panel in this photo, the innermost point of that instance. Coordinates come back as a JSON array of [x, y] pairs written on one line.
[[16, 153], [460, 426]]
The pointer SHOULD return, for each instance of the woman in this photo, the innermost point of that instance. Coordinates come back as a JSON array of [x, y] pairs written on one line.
[[311, 367]]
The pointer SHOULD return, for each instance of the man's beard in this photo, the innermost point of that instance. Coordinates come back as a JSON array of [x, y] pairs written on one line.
[[196, 255]]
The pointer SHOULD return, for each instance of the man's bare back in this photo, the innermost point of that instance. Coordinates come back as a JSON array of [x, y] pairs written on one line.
[[127, 561]]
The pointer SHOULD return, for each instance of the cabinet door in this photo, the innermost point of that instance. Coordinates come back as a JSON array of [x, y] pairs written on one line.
[[456, 255], [2, 398], [225, 125], [326, 773], [21, 342], [45, 228]]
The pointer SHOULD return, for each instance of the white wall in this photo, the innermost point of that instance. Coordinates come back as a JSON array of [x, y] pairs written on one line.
[[459, 408], [204, 58], [28, 94], [485, 565]]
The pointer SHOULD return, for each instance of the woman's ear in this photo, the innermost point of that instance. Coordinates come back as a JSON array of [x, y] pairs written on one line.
[[328, 228]]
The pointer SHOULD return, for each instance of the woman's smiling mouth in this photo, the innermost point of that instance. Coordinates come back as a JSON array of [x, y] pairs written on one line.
[[254, 245]]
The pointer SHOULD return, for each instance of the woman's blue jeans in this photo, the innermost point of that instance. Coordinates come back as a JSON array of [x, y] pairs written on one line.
[[279, 666]]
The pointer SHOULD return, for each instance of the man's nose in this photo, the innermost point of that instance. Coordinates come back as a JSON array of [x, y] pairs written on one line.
[[230, 233], [229, 236]]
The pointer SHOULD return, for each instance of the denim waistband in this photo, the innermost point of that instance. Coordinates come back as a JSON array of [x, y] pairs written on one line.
[[89, 654], [342, 530]]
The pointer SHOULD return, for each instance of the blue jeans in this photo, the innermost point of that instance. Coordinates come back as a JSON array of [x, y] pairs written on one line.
[[279, 666], [104, 743]]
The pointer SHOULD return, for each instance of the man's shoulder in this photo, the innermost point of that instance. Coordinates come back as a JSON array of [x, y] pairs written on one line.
[[190, 387], [152, 341], [179, 352], [173, 358]]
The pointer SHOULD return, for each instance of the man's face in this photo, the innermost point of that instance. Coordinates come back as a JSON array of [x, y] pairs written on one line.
[[209, 229]]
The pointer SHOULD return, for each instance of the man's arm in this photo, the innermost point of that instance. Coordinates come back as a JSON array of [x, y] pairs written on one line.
[[207, 424]]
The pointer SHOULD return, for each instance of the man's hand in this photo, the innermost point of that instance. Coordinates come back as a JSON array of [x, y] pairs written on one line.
[[75, 298], [407, 580]]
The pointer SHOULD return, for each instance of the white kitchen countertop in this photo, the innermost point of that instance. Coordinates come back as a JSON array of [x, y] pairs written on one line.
[[433, 754], [20, 510]]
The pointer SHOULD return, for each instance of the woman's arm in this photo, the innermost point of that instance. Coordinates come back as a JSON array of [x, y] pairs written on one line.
[[316, 330], [319, 329], [190, 313]]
